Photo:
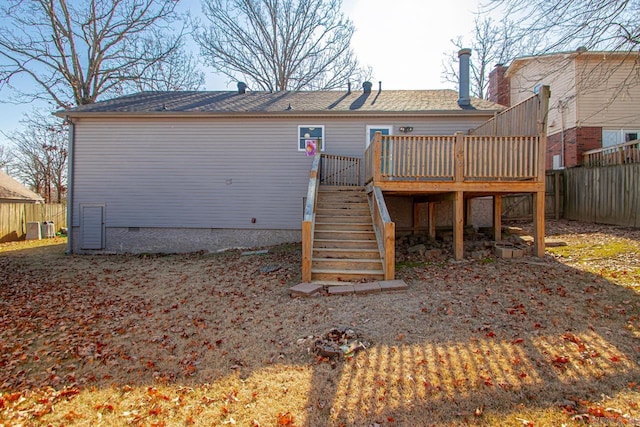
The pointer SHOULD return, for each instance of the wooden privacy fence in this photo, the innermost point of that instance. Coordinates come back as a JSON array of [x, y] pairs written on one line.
[[15, 216], [520, 206], [524, 118], [606, 195]]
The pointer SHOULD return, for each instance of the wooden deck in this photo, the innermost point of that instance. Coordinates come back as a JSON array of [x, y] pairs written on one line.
[[506, 155]]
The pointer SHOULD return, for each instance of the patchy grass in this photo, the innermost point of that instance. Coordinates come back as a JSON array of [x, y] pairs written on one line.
[[207, 339], [610, 252]]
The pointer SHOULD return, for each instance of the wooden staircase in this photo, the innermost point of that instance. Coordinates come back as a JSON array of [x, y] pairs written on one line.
[[344, 242]]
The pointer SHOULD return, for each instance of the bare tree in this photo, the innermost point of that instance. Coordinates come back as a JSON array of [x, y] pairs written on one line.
[[179, 70], [567, 24], [5, 157], [280, 44], [492, 43], [40, 155], [72, 51]]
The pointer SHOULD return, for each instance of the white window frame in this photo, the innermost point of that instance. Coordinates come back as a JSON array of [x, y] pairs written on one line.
[[367, 141], [620, 136], [323, 139]]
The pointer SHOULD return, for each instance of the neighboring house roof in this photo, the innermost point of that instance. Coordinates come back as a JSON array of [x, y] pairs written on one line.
[[11, 191], [285, 103], [572, 55]]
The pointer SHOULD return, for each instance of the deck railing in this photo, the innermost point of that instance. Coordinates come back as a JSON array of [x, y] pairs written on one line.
[[340, 170], [629, 152], [385, 232], [500, 157], [308, 222], [452, 158]]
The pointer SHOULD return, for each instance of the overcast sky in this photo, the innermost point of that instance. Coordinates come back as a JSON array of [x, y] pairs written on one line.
[[402, 40]]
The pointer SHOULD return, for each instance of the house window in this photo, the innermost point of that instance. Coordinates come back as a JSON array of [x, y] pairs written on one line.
[[372, 129], [631, 136], [311, 134], [611, 138]]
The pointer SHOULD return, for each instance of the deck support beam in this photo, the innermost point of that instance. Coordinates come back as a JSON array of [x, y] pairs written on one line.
[[458, 225], [431, 210], [538, 223], [497, 217]]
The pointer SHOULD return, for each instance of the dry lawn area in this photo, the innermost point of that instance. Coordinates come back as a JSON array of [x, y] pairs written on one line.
[[210, 339]]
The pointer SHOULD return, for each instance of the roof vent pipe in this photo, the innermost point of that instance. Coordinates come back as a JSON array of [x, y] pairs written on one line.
[[242, 88], [366, 87], [348, 87], [463, 59], [380, 86]]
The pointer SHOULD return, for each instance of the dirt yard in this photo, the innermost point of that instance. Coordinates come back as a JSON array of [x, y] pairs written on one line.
[[215, 339]]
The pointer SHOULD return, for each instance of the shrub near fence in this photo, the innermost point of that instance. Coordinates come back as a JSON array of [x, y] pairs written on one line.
[[15, 216]]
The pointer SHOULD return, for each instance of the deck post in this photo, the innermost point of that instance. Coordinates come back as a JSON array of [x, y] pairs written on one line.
[[377, 158], [389, 250], [416, 216], [538, 223], [458, 174], [307, 238], [431, 209], [497, 217], [458, 225]]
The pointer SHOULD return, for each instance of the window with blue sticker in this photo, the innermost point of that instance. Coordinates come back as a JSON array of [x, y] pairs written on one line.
[[311, 138]]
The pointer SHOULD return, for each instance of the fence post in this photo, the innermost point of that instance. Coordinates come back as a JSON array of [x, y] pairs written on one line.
[[543, 112]]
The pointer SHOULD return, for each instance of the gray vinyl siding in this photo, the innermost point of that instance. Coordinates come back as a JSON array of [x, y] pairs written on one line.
[[211, 173]]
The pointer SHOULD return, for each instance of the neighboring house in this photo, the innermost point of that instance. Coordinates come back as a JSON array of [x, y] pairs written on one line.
[[595, 99], [11, 191], [184, 171]]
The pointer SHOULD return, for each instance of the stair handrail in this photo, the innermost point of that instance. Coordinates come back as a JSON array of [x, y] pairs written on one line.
[[385, 232], [308, 222]]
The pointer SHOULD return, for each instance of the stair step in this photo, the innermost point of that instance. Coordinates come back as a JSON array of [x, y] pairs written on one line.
[[346, 253], [344, 244], [321, 218], [338, 196], [344, 235], [337, 211], [340, 188], [346, 275], [347, 264], [344, 226]]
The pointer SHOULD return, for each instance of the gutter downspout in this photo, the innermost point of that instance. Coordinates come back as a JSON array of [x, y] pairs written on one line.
[[71, 150]]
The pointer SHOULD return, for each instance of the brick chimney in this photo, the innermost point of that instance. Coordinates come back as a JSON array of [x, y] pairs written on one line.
[[499, 86]]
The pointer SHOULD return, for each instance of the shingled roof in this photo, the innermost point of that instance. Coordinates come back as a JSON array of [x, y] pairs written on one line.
[[11, 191], [286, 102]]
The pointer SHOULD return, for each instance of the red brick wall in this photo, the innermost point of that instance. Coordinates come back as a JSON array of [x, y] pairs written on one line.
[[499, 86], [576, 141]]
